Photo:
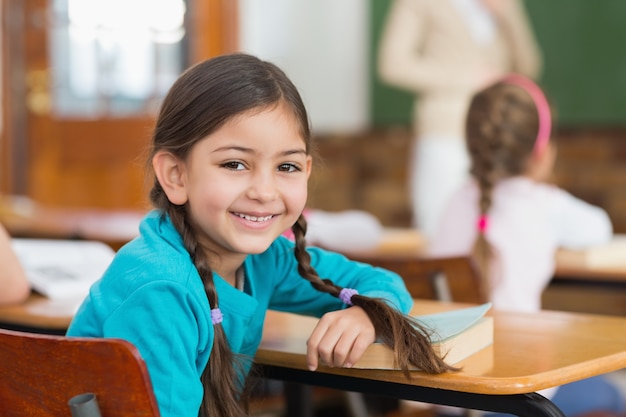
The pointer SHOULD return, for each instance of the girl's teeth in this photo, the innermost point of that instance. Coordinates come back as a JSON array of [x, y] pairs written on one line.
[[255, 218]]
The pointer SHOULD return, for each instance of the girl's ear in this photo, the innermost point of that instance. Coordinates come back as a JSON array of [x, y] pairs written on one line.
[[541, 165], [309, 166], [170, 172]]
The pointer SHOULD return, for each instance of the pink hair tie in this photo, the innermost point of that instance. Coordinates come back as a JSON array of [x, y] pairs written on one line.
[[543, 109], [483, 222], [216, 316], [346, 294]]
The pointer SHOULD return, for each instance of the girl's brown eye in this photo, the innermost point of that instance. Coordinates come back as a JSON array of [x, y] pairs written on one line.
[[288, 168], [234, 165]]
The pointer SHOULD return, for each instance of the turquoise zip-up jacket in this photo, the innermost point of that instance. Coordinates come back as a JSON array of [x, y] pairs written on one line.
[[152, 296]]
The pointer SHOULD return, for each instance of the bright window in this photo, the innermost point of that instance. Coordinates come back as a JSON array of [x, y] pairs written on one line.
[[115, 57]]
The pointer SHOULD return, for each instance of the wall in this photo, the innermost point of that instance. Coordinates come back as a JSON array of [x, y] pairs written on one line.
[[323, 46]]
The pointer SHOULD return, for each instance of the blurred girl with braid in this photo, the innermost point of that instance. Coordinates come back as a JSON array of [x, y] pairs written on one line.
[[231, 155], [512, 221]]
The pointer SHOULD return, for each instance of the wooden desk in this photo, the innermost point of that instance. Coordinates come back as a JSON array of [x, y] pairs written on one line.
[[531, 352], [591, 281], [24, 218], [596, 289], [614, 273], [398, 242], [40, 314], [405, 242], [599, 290]]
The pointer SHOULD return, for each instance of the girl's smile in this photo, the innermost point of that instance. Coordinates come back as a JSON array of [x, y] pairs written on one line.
[[256, 222], [256, 219]]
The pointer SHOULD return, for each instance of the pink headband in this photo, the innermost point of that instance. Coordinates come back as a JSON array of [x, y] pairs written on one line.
[[543, 108]]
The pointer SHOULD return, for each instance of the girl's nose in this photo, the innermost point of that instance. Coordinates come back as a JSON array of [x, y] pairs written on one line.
[[262, 187]]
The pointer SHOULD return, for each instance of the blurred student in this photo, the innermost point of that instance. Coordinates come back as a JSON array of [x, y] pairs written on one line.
[[14, 287], [512, 221], [443, 51]]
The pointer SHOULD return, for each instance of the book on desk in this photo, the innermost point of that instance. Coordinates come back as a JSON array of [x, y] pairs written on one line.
[[59, 268], [456, 335]]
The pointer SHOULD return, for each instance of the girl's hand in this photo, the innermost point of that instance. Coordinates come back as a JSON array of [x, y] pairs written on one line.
[[340, 338]]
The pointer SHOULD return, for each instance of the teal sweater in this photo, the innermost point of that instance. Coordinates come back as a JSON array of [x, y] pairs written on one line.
[[152, 296]]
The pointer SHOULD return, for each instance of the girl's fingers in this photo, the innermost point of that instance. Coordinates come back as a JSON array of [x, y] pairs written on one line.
[[341, 349], [358, 348], [321, 343], [312, 356], [339, 339]]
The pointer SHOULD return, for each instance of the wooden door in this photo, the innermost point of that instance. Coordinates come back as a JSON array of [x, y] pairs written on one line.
[[93, 159]]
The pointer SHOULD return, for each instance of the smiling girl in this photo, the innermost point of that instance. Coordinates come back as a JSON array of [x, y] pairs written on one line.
[[230, 158]]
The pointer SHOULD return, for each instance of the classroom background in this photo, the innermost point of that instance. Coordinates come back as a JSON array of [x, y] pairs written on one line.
[[80, 86], [80, 83]]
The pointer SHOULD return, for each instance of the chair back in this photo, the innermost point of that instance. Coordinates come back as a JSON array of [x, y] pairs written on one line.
[[41, 373], [442, 278]]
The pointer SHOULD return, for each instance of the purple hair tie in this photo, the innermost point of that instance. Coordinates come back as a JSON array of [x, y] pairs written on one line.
[[346, 294], [216, 316]]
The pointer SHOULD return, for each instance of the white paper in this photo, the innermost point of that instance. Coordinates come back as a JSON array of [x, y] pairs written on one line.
[[62, 268]]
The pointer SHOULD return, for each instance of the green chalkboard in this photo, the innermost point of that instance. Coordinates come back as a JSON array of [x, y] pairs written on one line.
[[583, 44]]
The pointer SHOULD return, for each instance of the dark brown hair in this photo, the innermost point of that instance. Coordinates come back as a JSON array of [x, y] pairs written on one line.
[[501, 130], [202, 100]]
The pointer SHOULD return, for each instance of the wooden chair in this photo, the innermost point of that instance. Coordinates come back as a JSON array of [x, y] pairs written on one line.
[[41, 373], [445, 278]]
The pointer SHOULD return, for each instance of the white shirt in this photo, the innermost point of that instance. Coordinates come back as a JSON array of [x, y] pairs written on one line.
[[528, 221]]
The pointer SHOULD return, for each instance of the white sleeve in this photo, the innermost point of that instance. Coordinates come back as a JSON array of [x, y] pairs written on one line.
[[578, 224]]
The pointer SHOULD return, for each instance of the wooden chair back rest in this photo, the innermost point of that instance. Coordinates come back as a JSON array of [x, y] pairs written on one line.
[[424, 277], [41, 373]]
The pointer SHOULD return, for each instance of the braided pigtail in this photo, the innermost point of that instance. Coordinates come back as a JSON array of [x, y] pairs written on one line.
[[222, 376], [482, 251], [409, 340], [501, 128], [483, 170]]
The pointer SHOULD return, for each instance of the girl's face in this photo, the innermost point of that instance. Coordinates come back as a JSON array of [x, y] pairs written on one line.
[[246, 183]]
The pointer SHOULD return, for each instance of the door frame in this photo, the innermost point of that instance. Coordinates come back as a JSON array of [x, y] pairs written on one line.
[[212, 26]]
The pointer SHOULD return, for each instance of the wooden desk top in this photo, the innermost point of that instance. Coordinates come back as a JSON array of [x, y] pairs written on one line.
[[407, 242], [531, 352], [41, 313], [613, 273], [24, 218]]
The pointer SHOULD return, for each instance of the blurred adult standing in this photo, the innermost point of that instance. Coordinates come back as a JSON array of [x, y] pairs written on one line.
[[443, 51]]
